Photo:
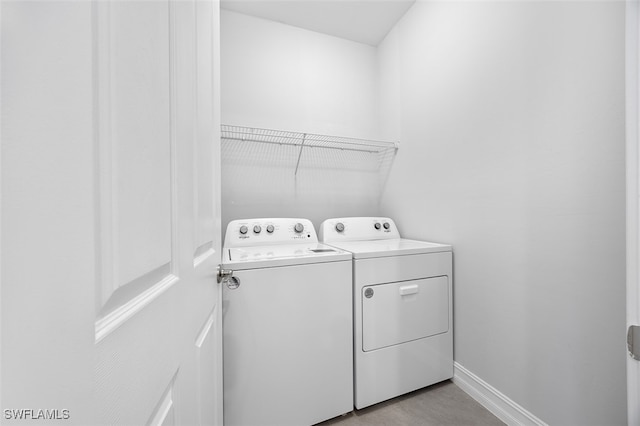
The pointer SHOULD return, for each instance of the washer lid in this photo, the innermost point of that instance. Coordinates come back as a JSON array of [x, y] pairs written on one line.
[[384, 248], [281, 255]]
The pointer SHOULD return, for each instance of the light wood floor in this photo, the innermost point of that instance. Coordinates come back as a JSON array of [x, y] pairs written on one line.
[[443, 404]]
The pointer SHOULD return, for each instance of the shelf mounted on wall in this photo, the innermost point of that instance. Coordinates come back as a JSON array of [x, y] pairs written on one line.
[[307, 151]]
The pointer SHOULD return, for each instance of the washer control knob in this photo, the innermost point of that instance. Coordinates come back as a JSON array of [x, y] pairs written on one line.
[[243, 229], [377, 225], [386, 225], [339, 226], [270, 229], [257, 229], [298, 228]]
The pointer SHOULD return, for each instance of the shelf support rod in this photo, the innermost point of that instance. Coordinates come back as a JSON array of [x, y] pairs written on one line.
[[304, 137], [368, 151]]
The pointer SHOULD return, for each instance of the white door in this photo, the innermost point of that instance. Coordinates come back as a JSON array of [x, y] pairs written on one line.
[[110, 212], [633, 205]]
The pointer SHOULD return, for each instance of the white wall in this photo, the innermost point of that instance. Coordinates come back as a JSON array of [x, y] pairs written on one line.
[[276, 76], [48, 241], [511, 120]]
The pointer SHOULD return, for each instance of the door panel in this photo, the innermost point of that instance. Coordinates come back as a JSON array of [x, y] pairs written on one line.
[[208, 362], [164, 414], [110, 212], [134, 366], [136, 72], [135, 169], [158, 333], [133, 107]]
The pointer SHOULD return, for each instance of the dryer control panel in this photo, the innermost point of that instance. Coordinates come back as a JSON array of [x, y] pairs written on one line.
[[269, 231], [358, 229]]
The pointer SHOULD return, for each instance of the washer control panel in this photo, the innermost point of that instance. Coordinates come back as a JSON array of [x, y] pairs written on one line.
[[358, 229], [269, 231]]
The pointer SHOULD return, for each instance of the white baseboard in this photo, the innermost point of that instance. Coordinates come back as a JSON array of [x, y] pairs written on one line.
[[493, 400]]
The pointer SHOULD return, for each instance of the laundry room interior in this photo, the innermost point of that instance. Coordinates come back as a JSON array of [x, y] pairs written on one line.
[[508, 118], [296, 212]]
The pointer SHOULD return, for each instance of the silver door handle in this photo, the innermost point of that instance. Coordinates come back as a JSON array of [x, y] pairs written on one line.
[[223, 273], [633, 341]]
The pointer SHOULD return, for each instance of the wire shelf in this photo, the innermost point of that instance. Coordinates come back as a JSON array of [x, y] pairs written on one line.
[[306, 151]]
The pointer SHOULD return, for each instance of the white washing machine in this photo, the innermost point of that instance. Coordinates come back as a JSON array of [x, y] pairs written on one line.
[[402, 293], [287, 322]]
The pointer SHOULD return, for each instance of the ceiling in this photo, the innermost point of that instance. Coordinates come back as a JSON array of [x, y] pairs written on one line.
[[363, 21]]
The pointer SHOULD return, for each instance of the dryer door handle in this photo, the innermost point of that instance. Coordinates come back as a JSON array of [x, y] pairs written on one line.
[[408, 289]]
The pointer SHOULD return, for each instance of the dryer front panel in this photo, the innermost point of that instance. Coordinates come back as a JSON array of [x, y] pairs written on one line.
[[400, 312]]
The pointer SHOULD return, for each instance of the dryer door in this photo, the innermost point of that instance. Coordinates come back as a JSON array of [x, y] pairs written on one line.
[[400, 312]]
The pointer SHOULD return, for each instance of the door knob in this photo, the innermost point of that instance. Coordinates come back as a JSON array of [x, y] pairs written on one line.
[[633, 341], [223, 273]]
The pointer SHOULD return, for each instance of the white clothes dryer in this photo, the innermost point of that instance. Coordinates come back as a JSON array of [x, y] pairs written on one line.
[[287, 325], [403, 313]]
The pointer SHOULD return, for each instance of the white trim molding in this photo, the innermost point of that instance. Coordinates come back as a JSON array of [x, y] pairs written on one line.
[[632, 71], [110, 322], [492, 399]]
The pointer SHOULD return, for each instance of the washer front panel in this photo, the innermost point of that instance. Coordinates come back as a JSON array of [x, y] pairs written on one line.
[[288, 344]]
